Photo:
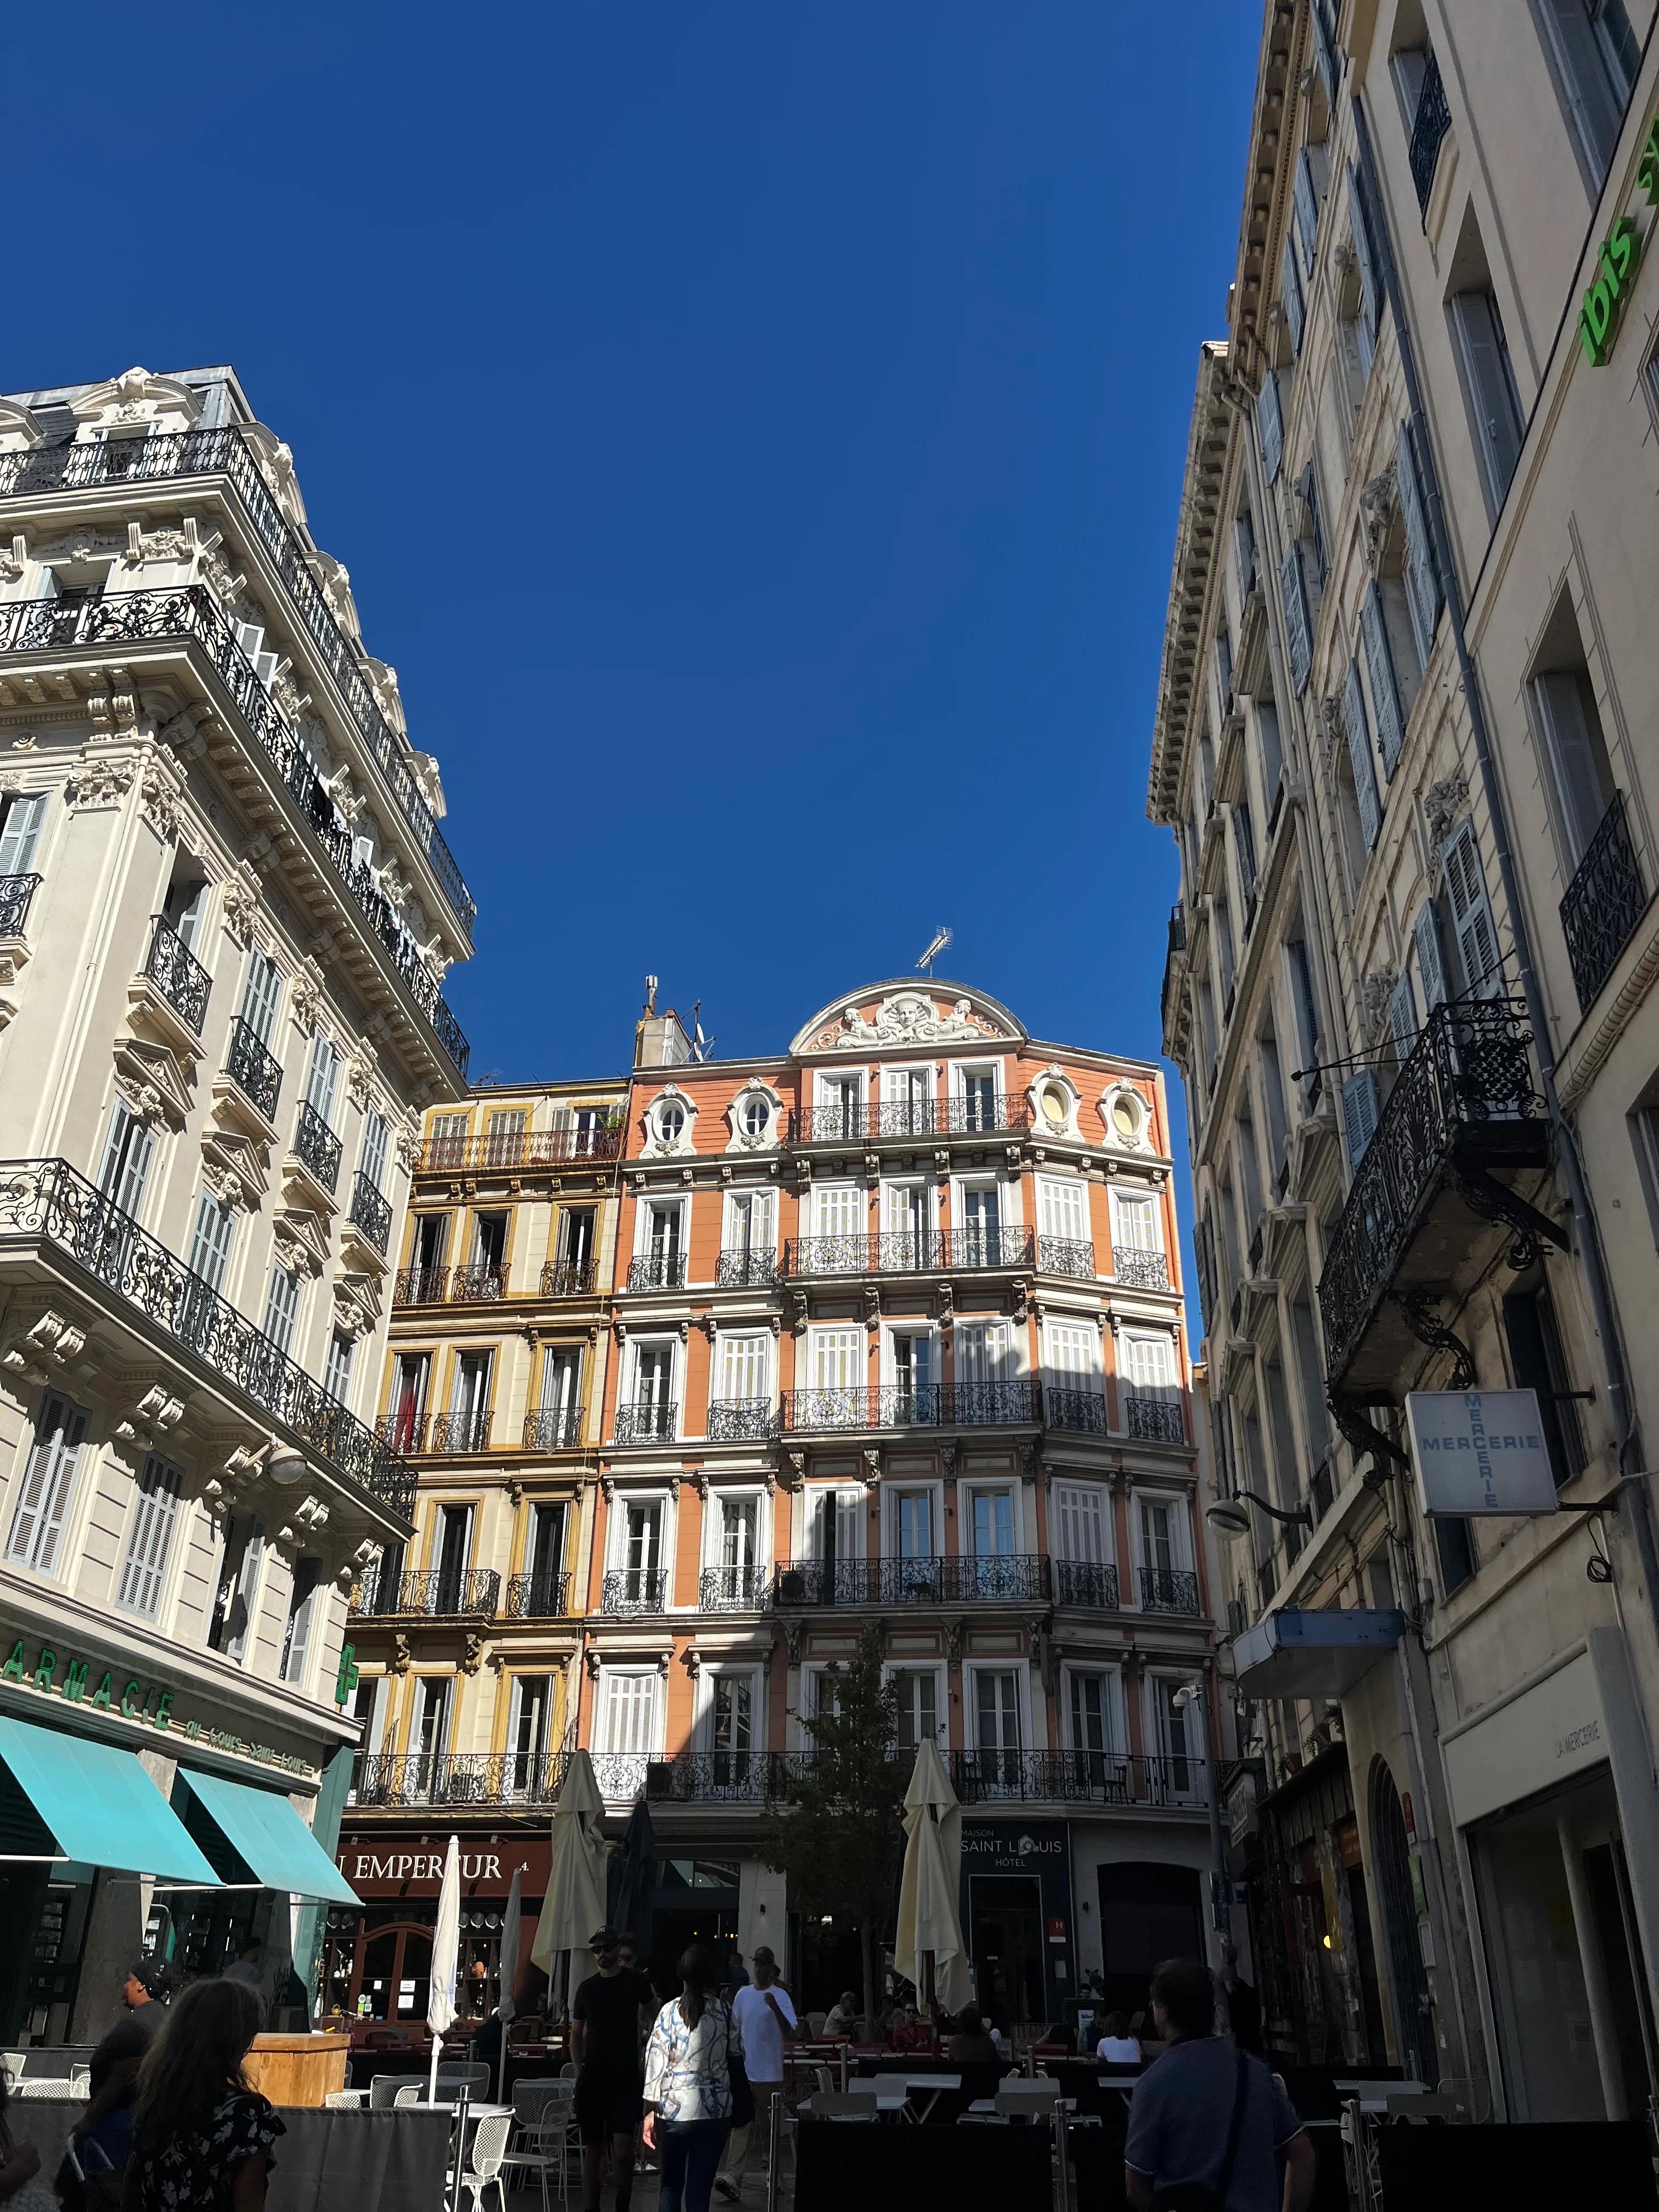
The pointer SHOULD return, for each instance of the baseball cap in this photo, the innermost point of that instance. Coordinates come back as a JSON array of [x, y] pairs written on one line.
[[603, 1939]]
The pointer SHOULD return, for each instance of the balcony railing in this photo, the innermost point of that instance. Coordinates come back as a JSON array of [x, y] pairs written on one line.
[[477, 1286], [224, 452], [316, 1145], [648, 1421], [177, 974], [1603, 905], [192, 611], [910, 1252], [1066, 1406], [990, 1405], [48, 1199], [742, 1420], [403, 1431], [1020, 1579], [709, 1778], [743, 1268], [634, 1590], [567, 1279], [420, 1286], [1098, 1778], [1429, 126], [435, 1594], [986, 1247], [371, 1211], [862, 1405], [1135, 1270], [554, 1428], [390, 1779], [1168, 1589], [17, 896], [465, 1431], [902, 1118], [519, 1148], [1087, 1583], [537, 1597], [1065, 1256], [657, 1271], [734, 1590], [1155, 1421], [256, 1071], [1464, 1099]]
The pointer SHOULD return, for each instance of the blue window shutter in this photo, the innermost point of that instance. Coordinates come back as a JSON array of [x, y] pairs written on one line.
[[1359, 752], [1297, 629], [1370, 311], [1431, 961], [1270, 425], [1290, 293], [1358, 1115], [1385, 692], [1307, 208], [1423, 594], [1471, 911]]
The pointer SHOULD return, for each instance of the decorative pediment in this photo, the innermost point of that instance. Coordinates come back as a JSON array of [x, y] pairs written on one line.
[[301, 1240], [356, 1304], [235, 1166], [335, 581], [18, 429], [137, 399], [157, 1079], [277, 466], [885, 1016]]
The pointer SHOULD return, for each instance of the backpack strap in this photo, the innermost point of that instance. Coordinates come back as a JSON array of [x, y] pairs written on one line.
[[1224, 2180]]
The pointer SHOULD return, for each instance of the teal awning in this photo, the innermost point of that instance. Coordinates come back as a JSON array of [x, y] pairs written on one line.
[[69, 1796], [270, 1839]]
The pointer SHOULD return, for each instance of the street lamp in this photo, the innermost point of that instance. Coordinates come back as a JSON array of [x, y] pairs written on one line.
[[1227, 1517], [1189, 1694]]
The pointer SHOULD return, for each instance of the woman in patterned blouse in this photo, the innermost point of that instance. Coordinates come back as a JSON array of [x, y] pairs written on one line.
[[688, 2085], [201, 2137]]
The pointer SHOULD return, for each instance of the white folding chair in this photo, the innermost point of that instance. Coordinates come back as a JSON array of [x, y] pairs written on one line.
[[484, 2170], [834, 2106], [345, 2100], [543, 2112], [414, 2094], [383, 2087]]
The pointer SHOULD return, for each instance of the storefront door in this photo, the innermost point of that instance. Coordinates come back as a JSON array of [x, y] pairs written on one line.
[[1004, 1942]]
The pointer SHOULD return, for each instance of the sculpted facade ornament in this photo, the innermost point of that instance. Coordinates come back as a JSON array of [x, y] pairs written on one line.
[[307, 997], [160, 788], [907, 1018], [100, 782], [1444, 803], [241, 902], [1374, 994], [50, 1343], [13, 561], [1376, 506]]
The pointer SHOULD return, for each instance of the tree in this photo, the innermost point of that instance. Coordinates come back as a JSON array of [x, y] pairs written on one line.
[[839, 1837]]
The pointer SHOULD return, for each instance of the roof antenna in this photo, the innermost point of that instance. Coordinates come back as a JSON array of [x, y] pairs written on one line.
[[650, 994], [942, 937]]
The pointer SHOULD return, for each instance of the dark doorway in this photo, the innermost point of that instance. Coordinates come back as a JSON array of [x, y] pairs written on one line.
[[1005, 1941], [1149, 1911], [1370, 1996], [1620, 1946], [1413, 2006], [828, 1959], [674, 1931]]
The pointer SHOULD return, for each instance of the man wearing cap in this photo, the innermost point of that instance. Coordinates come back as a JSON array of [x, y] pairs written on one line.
[[607, 2021], [765, 2018]]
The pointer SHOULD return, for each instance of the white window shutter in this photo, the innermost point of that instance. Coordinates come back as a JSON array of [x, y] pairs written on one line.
[[19, 833], [1371, 292], [1359, 753], [1307, 208], [1471, 910], [1298, 630], [1290, 291], [1430, 963], [1423, 594], [155, 1511], [1385, 692], [1270, 425], [37, 1526], [1359, 1114]]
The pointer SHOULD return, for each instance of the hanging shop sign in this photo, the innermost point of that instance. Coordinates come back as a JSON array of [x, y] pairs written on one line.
[[380, 1867], [1621, 249], [1480, 1451]]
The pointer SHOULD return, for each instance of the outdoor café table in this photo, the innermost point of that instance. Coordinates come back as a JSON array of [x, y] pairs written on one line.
[[917, 2084]]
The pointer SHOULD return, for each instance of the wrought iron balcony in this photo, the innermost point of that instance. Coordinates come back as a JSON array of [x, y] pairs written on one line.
[[1096, 1778], [47, 1200], [554, 1428], [193, 613], [567, 1279], [420, 1286], [975, 1248], [177, 974], [1012, 1404], [1065, 1256], [648, 1421], [620, 1775], [742, 1420], [17, 896], [634, 1590], [893, 1252], [509, 1149], [465, 1431], [1065, 1407], [1135, 1270], [1602, 904], [417, 1778], [1020, 1579], [256, 1071], [1168, 1589], [862, 1405], [1155, 1421], [742, 1266], [477, 1286], [537, 1597], [1090, 1583], [225, 452], [898, 1119], [1463, 1112], [657, 1271], [403, 1431], [734, 1590], [371, 1211], [1429, 128], [435, 1594], [316, 1146], [709, 1778]]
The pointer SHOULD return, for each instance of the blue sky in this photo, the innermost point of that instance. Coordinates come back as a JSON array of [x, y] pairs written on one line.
[[754, 433]]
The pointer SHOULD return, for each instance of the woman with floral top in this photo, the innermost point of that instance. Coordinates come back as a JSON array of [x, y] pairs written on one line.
[[201, 2137], [688, 2085]]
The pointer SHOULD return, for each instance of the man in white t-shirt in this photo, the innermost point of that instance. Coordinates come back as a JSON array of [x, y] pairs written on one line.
[[765, 2017]]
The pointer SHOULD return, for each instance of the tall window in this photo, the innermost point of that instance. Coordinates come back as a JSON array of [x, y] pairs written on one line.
[[209, 1245], [305, 1603], [743, 1368], [1489, 388], [548, 1528], [731, 1728], [1594, 56], [428, 1733], [156, 1502], [1576, 751], [128, 1150], [560, 1408], [996, 1724], [408, 1411], [336, 1379], [322, 1079], [20, 832], [991, 1523], [980, 1208], [627, 1713], [238, 1602], [1092, 1723], [281, 1307], [42, 1502], [982, 1351], [916, 1376], [641, 1557], [907, 1101], [372, 1164], [913, 1525], [529, 1733], [445, 1141], [259, 995], [918, 1706], [978, 1099]]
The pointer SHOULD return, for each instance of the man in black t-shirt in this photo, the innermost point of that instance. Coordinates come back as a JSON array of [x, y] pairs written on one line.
[[607, 2019]]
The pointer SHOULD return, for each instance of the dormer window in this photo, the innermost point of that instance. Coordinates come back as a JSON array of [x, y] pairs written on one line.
[[670, 1121]]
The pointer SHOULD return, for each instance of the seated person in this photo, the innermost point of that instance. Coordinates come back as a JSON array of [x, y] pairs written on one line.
[[910, 2032], [970, 2045], [842, 2017], [1117, 2046]]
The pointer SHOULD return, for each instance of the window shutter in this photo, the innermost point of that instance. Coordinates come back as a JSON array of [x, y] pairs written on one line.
[[21, 831], [1290, 291], [1402, 1016], [1298, 631], [1471, 909], [1385, 693], [1423, 594], [374, 1148], [1358, 1115], [1270, 425], [1307, 208], [282, 1308], [210, 1248], [259, 996], [37, 1526], [1359, 752], [155, 1510], [1431, 964], [1486, 377], [251, 639], [1370, 293]]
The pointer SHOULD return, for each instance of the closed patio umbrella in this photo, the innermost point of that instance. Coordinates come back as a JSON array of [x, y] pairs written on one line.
[[929, 1923], [574, 1904], [510, 1923], [446, 1958], [633, 1876]]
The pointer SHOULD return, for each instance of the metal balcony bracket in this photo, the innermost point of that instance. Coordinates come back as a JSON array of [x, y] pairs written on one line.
[[1426, 1325], [1367, 1439], [1496, 1202]]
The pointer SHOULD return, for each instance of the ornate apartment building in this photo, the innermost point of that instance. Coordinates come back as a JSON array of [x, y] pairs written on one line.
[[1398, 742], [225, 913], [708, 1374]]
